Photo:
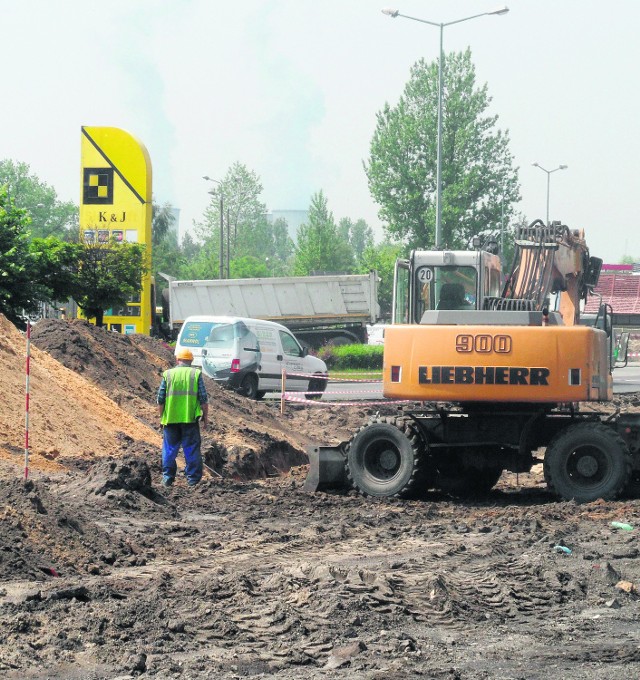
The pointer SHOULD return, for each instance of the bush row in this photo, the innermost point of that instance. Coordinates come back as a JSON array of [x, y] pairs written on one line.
[[345, 357]]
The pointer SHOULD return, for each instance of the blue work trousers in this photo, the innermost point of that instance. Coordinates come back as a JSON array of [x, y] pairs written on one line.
[[186, 435]]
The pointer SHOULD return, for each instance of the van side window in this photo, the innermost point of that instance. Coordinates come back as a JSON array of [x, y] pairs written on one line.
[[290, 345]]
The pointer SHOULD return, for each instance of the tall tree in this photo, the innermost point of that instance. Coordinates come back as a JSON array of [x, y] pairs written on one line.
[[16, 264], [245, 228], [320, 246], [359, 235], [162, 219], [477, 171], [32, 271], [280, 264], [49, 215]]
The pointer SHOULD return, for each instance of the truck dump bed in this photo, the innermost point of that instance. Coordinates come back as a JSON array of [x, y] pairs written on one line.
[[297, 302]]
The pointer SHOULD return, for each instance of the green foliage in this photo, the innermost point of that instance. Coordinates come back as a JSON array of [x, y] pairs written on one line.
[[108, 275], [162, 220], [31, 271], [358, 234], [55, 267], [478, 178], [49, 216], [248, 267], [344, 357], [320, 247], [280, 263], [17, 267], [199, 261], [239, 191], [166, 257], [382, 258]]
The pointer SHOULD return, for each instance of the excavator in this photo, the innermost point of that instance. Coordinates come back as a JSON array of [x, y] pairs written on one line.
[[493, 369]]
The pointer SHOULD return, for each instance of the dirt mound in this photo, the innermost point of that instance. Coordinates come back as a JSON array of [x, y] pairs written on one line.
[[126, 367], [245, 439], [43, 537], [68, 416]]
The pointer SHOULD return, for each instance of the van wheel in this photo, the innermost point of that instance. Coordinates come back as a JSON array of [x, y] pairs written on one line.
[[249, 386], [260, 395], [316, 388]]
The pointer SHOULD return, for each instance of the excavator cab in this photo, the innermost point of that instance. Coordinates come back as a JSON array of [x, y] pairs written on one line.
[[430, 282]]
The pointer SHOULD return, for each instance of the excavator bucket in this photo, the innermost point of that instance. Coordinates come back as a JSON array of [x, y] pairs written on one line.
[[326, 468]]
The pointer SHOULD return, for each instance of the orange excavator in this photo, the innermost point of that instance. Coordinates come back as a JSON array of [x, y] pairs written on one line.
[[496, 370]]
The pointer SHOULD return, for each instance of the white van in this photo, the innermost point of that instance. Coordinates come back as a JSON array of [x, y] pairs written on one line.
[[249, 355]]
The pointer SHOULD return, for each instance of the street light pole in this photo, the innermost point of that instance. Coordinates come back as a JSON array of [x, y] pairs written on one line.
[[560, 167], [393, 13], [221, 258]]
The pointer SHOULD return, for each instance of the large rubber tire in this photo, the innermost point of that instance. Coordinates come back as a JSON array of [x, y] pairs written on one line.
[[316, 385], [464, 483], [260, 395], [249, 386], [385, 458], [587, 461]]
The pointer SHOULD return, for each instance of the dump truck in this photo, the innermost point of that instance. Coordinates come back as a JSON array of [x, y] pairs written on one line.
[[494, 371], [317, 309]]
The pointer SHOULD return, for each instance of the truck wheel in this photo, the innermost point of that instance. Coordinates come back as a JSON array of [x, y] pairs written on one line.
[[316, 385], [463, 483], [249, 386], [260, 395], [587, 461], [385, 458]]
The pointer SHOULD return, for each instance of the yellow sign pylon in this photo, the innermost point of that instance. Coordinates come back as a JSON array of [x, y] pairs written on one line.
[[116, 205]]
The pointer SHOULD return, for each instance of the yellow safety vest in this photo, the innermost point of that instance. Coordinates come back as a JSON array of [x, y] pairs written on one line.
[[181, 404]]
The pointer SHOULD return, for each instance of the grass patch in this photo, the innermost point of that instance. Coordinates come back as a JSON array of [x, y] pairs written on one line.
[[355, 374], [352, 357]]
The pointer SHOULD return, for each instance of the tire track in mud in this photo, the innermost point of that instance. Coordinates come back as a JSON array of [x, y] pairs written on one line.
[[267, 580], [403, 577]]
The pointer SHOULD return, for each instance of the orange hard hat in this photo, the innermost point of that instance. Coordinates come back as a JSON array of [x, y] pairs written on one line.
[[184, 354]]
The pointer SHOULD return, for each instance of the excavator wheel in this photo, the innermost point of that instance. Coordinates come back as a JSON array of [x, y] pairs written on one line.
[[385, 458], [587, 461]]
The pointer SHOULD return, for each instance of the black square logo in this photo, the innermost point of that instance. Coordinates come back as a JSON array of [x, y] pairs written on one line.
[[98, 186]]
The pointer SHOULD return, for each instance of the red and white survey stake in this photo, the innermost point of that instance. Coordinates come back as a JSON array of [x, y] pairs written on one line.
[[26, 413]]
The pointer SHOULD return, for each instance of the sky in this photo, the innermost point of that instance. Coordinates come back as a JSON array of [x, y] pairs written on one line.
[[291, 88]]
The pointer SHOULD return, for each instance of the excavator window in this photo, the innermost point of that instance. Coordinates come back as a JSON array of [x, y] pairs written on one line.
[[445, 287], [452, 297], [401, 287]]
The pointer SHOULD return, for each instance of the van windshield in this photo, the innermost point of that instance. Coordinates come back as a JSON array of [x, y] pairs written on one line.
[[211, 334]]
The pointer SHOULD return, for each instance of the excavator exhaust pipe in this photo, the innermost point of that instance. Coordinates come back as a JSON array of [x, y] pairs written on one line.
[[326, 468]]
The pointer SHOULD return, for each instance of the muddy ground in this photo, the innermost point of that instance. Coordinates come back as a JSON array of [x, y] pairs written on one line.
[[105, 574]]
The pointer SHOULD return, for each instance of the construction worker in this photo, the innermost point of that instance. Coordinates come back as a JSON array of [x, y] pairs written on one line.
[[182, 403]]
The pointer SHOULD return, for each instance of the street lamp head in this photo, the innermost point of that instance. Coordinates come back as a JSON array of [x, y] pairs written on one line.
[[535, 165], [500, 10], [563, 167], [207, 178], [391, 12]]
